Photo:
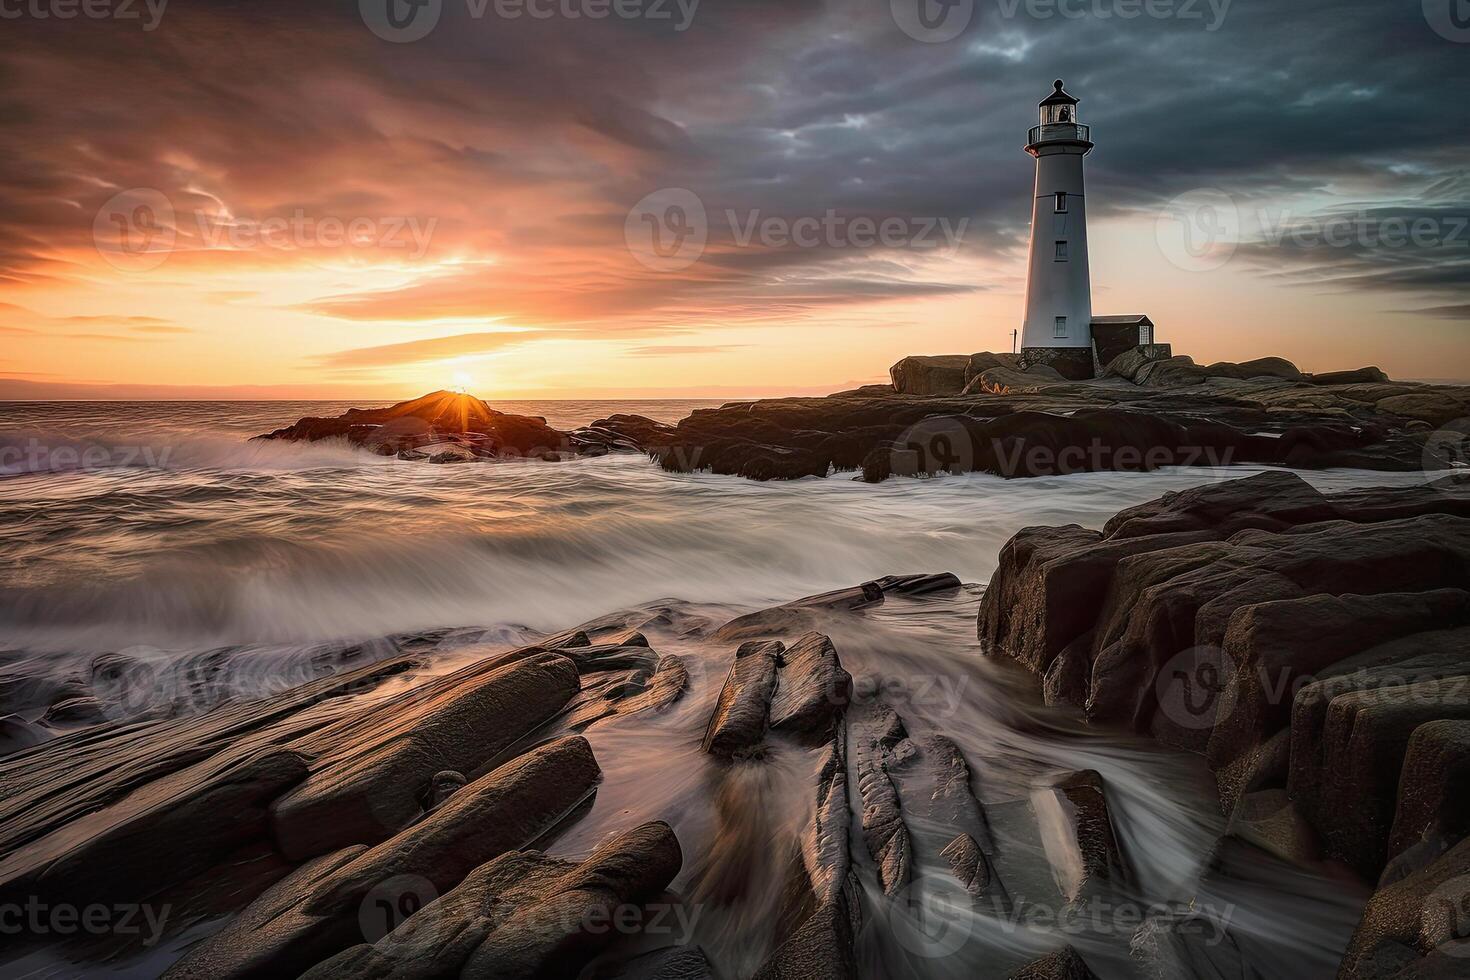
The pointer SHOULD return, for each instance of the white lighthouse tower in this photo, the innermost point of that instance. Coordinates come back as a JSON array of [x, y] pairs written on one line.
[[1058, 325]]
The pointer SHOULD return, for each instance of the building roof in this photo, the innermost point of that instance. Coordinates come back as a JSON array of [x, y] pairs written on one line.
[[1059, 97], [1124, 319]]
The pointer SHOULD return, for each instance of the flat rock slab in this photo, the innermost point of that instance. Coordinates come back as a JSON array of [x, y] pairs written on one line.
[[502, 811], [1077, 832], [376, 791], [524, 914]]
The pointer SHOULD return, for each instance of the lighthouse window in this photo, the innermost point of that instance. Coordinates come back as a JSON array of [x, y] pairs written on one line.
[[1061, 251], [1060, 330], [1061, 202]]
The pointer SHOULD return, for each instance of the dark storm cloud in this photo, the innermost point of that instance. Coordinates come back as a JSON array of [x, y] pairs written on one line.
[[533, 138]]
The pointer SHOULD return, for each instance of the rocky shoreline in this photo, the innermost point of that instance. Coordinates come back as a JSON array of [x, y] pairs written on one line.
[[1311, 647], [977, 413]]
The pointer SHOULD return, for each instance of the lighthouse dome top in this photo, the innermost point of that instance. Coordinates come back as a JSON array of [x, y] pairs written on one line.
[[1059, 96]]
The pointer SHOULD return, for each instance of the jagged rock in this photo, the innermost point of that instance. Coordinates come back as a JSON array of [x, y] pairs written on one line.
[[738, 724], [314, 913], [1064, 964], [438, 417], [1433, 808], [937, 375], [1365, 739], [522, 914], [811, 691], [1297, 639], [371, 793], [968, 863], [1413, 918], [1077, 831], [160, 833], [1062, 427], [877, 741], [820, 949]]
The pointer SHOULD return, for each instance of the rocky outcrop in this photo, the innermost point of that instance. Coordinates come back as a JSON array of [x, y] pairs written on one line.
[[943, 374], [524, 914], [1040, 428], [371, 794], [812, 691], [741, 715], [314, 913], [1311, 646], [442, 426]]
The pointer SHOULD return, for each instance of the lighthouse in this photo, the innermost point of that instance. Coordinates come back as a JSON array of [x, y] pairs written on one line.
[[1057, 330]]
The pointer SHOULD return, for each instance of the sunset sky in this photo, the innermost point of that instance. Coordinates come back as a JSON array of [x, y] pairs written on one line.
[[171, 190]]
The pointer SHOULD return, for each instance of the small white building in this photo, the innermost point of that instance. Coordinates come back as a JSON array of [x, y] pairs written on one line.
[[1058, 328]]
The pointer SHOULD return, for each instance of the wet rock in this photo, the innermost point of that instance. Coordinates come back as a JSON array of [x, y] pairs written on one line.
[[452, 454], [914, 585], [315, 913], [968, 863], [738, 724], [523, 914], [16, 734], [1064, 964], [75, 711], [820, 949], [1189, 944], [669, 963], [811, 691], [476, 429], [877, 741], [937, 375], [441, 787], [1415, 917], [1077, 832], [1433, 808], [1365, 739], [164, 831], [374, 791]]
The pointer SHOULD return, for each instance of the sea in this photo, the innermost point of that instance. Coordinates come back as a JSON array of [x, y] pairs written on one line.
[[160, 533]]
